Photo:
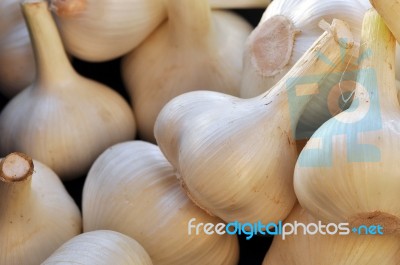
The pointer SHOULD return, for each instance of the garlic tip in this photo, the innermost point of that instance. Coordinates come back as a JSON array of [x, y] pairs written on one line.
[[16, 167], [68, 8]]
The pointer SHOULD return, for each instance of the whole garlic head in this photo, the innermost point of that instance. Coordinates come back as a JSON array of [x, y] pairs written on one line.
[[37, 214], [63, 120]]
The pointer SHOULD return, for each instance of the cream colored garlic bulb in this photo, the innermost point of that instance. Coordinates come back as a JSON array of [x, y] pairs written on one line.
[[100, 30], [195, 49], [286, 30], [239, 3], [37, 214], [17, 67], [318, 249], [101, 247], [63, 120], [235, 157], [132, 189], [349, 171]]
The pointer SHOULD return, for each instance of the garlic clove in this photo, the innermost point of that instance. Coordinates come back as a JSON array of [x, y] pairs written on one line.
[[239, 3], [100, 30], [195, 49], [63, 119], [17, 67], [100, 247], [131, 188], [216, 141], [315, 249], [37, 213], [283, 35], [348, 172]]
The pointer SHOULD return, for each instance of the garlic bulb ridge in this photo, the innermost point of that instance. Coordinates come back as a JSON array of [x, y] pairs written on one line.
[[132, 189], [100, 247], [63, 120], [347, 172], [17, 66], [100, 30], [217, 141], [195, 49], [37, 213], [330, 248]]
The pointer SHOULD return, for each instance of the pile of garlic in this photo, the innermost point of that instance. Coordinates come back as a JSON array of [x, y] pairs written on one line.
[[225, 109]]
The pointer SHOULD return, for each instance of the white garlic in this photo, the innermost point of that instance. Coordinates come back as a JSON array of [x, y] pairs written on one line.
[[239, 3], [63, 120], [17, 67], [349, 171], [342, 247], [195, 49], [100, 30], [100, 247], [131, 188], [286, 30], [37, 214], [236, 156]]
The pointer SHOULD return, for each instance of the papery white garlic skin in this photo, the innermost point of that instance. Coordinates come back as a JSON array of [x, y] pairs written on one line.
[[239, 3], [348, 171], [63, 120], [305, 30], [17, 67], [317, 249], [100, 30], [131, 188], [217, 141], [37, 215], [180, 56], [100, 247], [283, 35]]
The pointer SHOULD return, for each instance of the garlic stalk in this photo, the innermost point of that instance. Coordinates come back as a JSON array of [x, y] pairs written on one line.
[[239, 3], [195, 49], [348, 172], [100, 30], [332, 248], [286, 30], [37, 214], [17, 67], [217, 141], [131, 188], [100, 248], [390, 11], [63, 120]]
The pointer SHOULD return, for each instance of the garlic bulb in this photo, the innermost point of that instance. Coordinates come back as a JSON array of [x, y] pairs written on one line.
[[100, 30], [17, 67], [331, 248], [132, 189], [63, 120], [347, 171], [115, 248], [217, 141], [286, 30], [37, 214], [195, 49], [239, 3]]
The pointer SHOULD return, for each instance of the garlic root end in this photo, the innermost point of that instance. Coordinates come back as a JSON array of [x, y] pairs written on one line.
[[16, 167], [389, 223], [68, 8]]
